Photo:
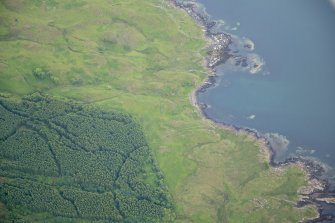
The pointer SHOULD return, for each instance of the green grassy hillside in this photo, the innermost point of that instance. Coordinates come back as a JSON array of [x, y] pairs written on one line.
[[145, 58]]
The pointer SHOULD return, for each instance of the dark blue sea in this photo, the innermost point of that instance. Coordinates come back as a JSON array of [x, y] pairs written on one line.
[[291, 100]]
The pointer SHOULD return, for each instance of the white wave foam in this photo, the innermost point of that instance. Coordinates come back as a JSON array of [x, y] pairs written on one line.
[[304, 151], [251, 117], [256, 63]]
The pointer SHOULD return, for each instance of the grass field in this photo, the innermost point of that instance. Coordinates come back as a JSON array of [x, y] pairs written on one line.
[[145, 58]]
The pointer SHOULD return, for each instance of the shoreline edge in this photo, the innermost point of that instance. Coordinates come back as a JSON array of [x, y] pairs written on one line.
[[217, 53]]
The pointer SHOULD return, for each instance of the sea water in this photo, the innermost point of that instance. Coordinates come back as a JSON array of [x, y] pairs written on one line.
[[292, 100]]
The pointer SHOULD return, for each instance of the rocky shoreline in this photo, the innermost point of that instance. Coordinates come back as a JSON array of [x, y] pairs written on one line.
[[218, 50], [318, 190]]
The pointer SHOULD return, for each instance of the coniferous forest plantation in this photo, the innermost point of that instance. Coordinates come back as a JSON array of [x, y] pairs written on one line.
[[72, 163], [96, 123]]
